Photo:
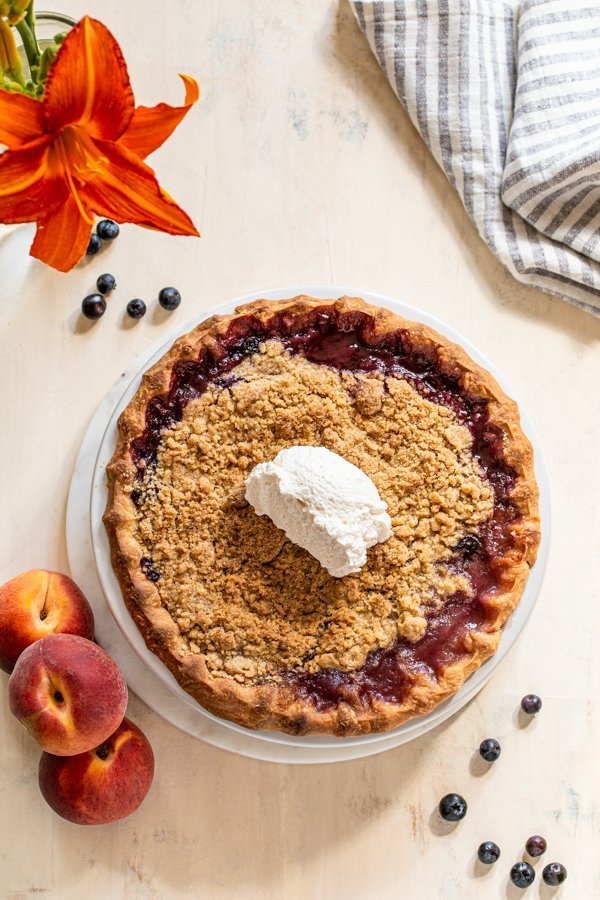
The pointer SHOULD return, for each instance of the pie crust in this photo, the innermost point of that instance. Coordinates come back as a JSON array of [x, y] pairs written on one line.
[[249, 624]]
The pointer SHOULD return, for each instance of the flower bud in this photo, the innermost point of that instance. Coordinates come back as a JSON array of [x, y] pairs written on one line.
[[10, 63], [13, 10]]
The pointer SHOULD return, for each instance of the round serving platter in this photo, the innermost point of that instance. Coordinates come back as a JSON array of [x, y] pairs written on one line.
[[89, 559]]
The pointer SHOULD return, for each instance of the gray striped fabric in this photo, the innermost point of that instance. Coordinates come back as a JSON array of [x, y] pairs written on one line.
[[507, 98]]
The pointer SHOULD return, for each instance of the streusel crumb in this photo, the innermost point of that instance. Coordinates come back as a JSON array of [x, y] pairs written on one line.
[[244, 596]]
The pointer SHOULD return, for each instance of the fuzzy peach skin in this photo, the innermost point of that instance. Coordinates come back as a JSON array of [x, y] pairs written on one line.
[[68, 693], [102, 785], [37, 603]]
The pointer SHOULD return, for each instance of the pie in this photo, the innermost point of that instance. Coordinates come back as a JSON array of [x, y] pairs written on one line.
[[249, 623]]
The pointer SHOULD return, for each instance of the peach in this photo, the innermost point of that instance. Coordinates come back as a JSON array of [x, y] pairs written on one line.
[[68, 693], [37, 603], [102, 785]]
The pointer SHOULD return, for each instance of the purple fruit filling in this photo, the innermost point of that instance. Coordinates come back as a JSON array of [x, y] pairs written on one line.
[[148, 569], [346, 341]]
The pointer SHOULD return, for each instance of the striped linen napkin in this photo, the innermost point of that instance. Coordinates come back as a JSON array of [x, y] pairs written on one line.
[[507, 98]]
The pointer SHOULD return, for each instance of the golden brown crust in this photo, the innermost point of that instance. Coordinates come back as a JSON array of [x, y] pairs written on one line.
[[276, 705]]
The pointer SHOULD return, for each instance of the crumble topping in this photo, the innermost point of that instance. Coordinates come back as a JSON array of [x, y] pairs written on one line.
[[244, 596]]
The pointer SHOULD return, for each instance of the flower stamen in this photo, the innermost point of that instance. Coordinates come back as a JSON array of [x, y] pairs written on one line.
[[66, 158]]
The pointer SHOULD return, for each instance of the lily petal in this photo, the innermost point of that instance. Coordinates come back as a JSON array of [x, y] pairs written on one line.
[[126, 189], [29, 183], [89, 84], [62, 237], [21, 119], [151, 126]]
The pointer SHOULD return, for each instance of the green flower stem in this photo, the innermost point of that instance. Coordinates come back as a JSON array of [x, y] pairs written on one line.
[[29, 43], [30, 19]]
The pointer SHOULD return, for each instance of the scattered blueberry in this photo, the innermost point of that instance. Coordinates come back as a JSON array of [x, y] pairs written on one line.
[[107, 230], [106, 283], [490, 749], [93, 306], [453, 807], [536, 845], [169, 298], [554, 874], [531, 704], [522, 875], [94, 245], [488, 853], [136, 309]]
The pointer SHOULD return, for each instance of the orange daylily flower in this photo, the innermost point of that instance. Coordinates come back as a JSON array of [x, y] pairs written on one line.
[[80, 150]]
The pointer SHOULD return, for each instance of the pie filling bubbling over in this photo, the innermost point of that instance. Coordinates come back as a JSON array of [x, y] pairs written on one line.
[[344, 342]]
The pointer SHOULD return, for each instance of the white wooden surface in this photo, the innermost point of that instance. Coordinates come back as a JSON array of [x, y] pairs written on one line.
[[299, 165]]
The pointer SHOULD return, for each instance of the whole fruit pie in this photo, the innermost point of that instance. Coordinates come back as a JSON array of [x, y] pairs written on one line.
[[250, 622]]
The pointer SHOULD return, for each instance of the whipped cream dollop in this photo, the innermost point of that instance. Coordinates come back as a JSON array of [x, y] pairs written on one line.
[[324, 504]]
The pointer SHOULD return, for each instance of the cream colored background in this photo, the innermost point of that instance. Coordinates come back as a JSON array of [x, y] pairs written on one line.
[[299, 166]]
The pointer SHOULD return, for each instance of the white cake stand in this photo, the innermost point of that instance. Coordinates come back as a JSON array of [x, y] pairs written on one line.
[[89, 559]]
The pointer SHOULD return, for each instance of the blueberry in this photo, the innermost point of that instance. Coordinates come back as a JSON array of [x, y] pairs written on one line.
[[107, 230], [554, 874], [453, 807], [469, 545], [136, 309], [488, 853], [106, 283], [522, 875], [148, 569], [251, 345], [93, 306], [490, 749], [536, 845], [531, 704], [94, 245], [169, 298]]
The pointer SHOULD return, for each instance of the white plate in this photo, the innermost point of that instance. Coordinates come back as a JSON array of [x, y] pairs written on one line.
[[89, 558]]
